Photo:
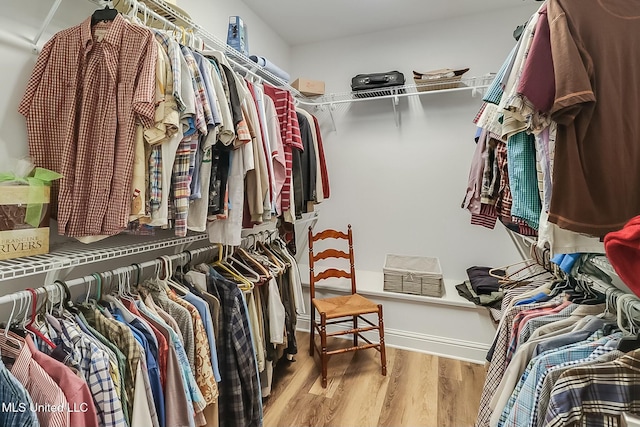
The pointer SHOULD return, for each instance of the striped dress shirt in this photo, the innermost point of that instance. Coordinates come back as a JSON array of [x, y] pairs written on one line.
[[42, 389], [290, 132], [498, 360]]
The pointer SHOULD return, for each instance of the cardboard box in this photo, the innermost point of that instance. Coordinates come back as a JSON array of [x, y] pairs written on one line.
[[17, 237], [309, 87], [237, 35]]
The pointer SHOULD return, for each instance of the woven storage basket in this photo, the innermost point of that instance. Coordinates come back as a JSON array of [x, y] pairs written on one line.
[[413, 275], [426, 85]]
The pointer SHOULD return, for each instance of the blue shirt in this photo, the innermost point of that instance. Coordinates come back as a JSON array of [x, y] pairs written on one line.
[[536, 298], [205, 314], [11, 391], [194, 396], [151, 357]]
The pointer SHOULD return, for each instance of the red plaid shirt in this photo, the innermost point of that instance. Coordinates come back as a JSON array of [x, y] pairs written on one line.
[[82, 103]]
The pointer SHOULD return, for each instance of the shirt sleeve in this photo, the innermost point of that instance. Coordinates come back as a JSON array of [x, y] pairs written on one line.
[[572, 69], [145, 91], [36, 77], [537, 82]]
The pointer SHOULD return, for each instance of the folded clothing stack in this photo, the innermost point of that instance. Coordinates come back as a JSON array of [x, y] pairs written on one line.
[[482, 288]]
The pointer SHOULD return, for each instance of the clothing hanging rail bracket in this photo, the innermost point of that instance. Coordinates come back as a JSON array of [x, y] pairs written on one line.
[[45, 24]]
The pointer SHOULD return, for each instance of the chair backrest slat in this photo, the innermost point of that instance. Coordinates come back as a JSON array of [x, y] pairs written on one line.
[[331, 254], [331, 273], [330, 234]]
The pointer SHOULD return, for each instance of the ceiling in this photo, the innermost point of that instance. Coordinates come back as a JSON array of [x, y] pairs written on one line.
[[306, 21]]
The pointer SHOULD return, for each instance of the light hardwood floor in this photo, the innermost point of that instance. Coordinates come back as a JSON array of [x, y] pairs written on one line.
[[419, 390]]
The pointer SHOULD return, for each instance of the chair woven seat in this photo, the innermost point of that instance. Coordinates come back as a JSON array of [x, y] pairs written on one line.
[[347, 305]]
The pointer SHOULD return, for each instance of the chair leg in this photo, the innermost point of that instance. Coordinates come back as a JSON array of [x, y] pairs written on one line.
[[323, 341], [383, 353], [312, 332], [355, 335]]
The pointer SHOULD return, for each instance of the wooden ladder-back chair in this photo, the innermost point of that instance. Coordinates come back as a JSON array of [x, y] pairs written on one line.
[[337, 310]]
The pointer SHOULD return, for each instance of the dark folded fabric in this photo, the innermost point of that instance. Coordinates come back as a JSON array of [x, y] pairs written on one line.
[[493, 300], [481, 281], [464, 292]]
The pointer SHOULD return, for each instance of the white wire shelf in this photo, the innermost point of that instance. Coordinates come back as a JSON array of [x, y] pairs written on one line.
[[76, 255], [474, 84]]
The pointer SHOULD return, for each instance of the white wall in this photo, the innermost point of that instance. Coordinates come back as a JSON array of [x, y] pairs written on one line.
[[401, 188]]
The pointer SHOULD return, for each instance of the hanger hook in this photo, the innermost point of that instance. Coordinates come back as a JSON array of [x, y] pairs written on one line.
[[13, 309]]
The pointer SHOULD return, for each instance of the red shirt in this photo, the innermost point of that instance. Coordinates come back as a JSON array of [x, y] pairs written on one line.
[[82, 411], [82, 104], [290, 131]]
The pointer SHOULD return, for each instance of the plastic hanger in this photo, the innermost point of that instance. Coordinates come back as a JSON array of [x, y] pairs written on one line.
[[632, 342], [234, 262], [168, 267], [273, 257], [247, 257], [30, 327], [220, 264], [101, 15], [9, 340], [67, 304]]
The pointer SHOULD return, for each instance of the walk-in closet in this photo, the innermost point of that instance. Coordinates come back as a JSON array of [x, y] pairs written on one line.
[[241, 213]]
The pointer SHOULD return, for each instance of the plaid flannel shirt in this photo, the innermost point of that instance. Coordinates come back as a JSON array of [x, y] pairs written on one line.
[[604, 353], [120, 335], [596, 395], [517, 412], [240, 405], [93, 364]]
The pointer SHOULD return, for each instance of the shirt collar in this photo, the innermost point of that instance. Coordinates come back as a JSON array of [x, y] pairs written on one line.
[[21, 366], [585, 310], [112, 37]]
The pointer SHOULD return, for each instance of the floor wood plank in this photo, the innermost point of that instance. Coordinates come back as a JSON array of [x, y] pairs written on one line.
[[419, 390]]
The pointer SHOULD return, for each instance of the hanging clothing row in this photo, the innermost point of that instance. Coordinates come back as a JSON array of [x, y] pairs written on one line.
[[149, 132], [541, 163], [563, 355], [191, 346]]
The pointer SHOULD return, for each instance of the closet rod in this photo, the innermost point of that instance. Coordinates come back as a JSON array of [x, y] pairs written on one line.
[[23, 295], [182, 256]]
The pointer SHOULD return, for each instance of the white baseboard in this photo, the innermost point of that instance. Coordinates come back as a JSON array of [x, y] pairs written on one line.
[[468, 351]]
